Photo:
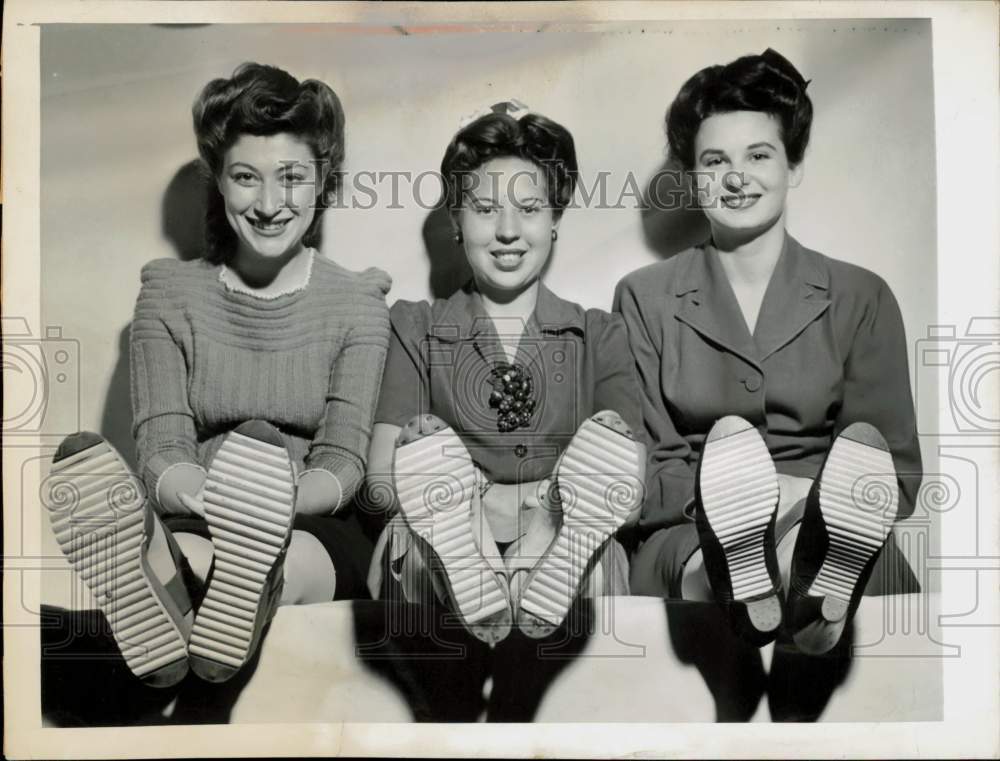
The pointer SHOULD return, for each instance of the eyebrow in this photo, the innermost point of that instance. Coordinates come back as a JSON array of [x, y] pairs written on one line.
[[752, 146], [284, 167]]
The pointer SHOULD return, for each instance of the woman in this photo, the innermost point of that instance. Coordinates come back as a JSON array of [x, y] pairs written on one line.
[[776, 390], [499, 391], [254, 378]]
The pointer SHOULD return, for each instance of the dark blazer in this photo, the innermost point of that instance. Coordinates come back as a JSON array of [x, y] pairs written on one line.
[[828, 350]]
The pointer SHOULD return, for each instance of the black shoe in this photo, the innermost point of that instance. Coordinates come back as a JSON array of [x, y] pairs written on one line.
[[249, 502], [103, 524], [848, 517], [735, 510]]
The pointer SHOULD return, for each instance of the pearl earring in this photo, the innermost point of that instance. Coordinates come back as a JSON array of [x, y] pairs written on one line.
[[555, 234], [458, 237]]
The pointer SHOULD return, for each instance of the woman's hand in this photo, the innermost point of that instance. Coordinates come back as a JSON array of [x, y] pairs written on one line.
[[318, 493], [180, 480], [193, 504]]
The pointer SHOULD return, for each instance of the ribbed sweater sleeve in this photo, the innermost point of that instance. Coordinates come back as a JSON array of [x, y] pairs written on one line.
[[163, 423], [340, 445]]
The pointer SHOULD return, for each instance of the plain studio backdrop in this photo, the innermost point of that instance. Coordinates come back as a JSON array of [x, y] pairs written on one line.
[[119, 186]]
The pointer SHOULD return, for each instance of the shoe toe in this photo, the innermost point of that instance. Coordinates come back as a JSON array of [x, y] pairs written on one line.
[[74, 443], [262, 431], [418, 428], [864, 433], [727, 426], [611, 419]]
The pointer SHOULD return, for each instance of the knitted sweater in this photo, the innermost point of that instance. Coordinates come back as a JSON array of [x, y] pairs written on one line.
[[205, 357]]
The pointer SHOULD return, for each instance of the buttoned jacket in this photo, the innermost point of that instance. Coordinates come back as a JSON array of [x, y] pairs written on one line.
[[441, 355], [828, 349]]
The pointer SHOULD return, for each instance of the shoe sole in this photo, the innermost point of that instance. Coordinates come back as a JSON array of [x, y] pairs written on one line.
[[104, 540], [434, 490], [858, 520], [596, 501], [249, 506], [739, 496]]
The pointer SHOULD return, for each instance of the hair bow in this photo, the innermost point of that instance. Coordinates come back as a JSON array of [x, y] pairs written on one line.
[[777, 60], [512, 107]]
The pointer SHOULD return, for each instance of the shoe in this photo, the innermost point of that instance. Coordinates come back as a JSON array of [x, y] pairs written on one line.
[[434, 479], [848, 517], [103, 525], [249, 500], [599, 482], [735, 512]]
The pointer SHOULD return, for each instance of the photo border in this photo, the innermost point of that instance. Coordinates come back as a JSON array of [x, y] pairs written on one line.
[[964, 38]]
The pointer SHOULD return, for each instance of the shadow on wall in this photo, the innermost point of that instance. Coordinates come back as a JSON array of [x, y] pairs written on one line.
[[183, 211], [183, 225], [449, 269], [670, 221]]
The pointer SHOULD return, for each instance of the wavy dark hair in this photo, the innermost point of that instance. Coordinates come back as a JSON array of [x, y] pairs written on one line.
[[263, 100], [768, 83], [532, 137]]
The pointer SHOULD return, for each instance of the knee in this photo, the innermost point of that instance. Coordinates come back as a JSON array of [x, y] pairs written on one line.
[[647, 571]]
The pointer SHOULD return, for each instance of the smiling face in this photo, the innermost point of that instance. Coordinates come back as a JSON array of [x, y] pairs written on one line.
[[741, 172], [507, 224], [269, 185]]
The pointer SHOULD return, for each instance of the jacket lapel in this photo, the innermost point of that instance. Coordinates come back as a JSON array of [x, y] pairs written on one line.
[[796, 295], [709, 305]]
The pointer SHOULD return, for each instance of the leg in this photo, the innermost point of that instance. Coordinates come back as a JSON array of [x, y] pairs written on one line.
[[114, 541], [792, 493], [662, 565], [198, 551], [309, 572]]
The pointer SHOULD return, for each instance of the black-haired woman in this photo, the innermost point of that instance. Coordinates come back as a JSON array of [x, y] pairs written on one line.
[[776, 390], [255, 372], [506, 413]]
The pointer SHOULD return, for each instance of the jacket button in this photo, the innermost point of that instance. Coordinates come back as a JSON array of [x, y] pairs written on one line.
[[520, 450], [752, 383]]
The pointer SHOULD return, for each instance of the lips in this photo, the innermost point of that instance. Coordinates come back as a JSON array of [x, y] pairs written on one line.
[[740, 202], [507, 259], [269, 229]]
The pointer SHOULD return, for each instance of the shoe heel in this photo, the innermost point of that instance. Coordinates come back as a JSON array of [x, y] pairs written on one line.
[[249, 505], [434, 478], [98, 513]]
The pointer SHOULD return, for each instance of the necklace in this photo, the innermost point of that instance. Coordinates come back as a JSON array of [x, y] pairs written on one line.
[[513, 393]]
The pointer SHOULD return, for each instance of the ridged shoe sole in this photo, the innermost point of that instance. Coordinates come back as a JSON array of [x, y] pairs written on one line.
[[598, 487], [249, 506], [739, 497], [434, 479], [103, 535], [858, 514]]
